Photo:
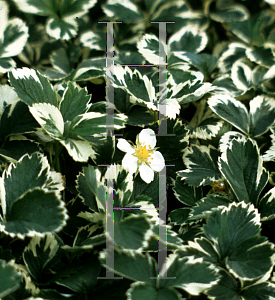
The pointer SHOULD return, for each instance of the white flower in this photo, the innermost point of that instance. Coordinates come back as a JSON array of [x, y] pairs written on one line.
[[142, 156]]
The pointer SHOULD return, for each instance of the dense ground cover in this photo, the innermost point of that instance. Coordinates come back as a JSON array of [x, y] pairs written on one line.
[[124, 144]]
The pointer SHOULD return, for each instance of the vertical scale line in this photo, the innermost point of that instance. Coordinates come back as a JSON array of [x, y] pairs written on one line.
[[109, 132], [162, 253]]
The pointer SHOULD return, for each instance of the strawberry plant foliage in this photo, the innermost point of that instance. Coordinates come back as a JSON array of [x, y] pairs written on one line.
[[185, 213]]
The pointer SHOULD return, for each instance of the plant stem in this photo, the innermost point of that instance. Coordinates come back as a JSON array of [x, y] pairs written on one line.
[[56, 164]]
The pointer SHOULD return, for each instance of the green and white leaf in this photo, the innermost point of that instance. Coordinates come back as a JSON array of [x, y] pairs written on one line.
[[126, 11], [229, 12], [36, 212], [207, 205], [191, 274], [50, 119], [261, 115], [79, 150], [94, 123], [91, 189], [139, 290], [132, 232], [267, 205], [91, 69], [233, 52], [241, 74], [30, 172], [62, 15], [14, 38], [231, 226], [139, 86], [94, 40], [75, 101], [265, 290], [252, 260], [148, 46], [132, 265], [188, 91], [231, 110], [30, 198], [234, 232], [204, 124], [226, 289], [189, 39], [201, 163], [32, 87], [242, 167], [186, 194], [39, 255]]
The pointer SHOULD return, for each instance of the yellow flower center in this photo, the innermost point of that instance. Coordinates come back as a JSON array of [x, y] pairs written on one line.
[[143, 154]]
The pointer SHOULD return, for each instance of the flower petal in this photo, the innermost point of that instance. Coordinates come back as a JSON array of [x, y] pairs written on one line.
[[146, 173], [130, 162], [157, 161], [124, 146], [148, 137]]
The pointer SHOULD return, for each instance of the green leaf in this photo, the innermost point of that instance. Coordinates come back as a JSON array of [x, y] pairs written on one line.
[[62, 66], [230, 226], [186, 194], [230, 12], [261, 115], [204, 124], [140, 290], [231, 110], [207, 205], [252, 259], [202, 168], [200, 248], [178, 216], [9, 277], [17, 148], [139, 116], [242, 167], [30, 172], [132, 232], [126, 11], [79, 274], [32, 87], [190, 274], [142, 188], [16, 119], [261, 291], [105, 151], [134, 266], [75, 101], [36, 212], [90, 69], [226, 289], [39, 255], [204, 62], [189, 39]]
